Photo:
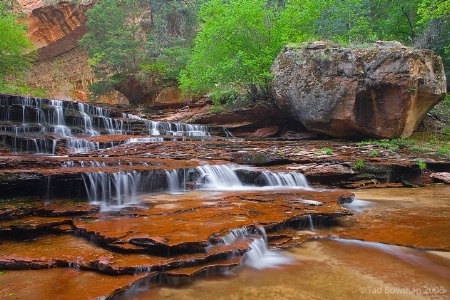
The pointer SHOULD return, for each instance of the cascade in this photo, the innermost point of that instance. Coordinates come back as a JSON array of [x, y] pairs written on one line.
[[123, 188], [259, 256], [173, 181], [218, 177], [87, 121], [288, 179], [56, 119], [73, 121], [310, 222], [81, 145], [120, 189]]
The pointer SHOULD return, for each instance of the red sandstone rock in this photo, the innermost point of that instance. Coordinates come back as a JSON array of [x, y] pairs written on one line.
[[382, 91], [441, 177], [265, 132]]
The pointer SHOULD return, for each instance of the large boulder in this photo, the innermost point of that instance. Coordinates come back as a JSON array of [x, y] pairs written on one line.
[[381, 91]]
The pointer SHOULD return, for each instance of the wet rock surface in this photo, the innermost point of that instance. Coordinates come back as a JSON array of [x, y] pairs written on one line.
[[146, 207]]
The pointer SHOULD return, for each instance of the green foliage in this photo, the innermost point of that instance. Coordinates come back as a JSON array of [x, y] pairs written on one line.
[[443, 150], [436, 144], [435, 17], [395, 20], [327, 151], [235, 47], [434, 9], [374, 153], [114, 41], [16, 50], [17, 87], [236, 42], [299, 21], [392, 145], [359, 165], [173, 28], [139, 37], [422, 165]]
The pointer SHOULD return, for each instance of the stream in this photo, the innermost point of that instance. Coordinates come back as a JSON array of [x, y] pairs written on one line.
[[330, 267], [97, 204]]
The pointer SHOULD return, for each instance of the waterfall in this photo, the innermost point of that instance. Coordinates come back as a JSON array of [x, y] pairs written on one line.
[[56, 119], [33, 117], [173, 181], [123, 188], [259, 256], [87, 121], [114, 190], [235, 234], [82, 146], [218, 177], [309, 222], [287, 179]]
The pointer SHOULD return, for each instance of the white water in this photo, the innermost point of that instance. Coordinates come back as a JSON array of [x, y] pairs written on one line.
[[92, 121], [56, 119], [287, 179], [224, 178], [123, 188], [219, 177], [173, 181], [89, 130], [259, 256], [113, 190], [81, 145], [357, 205], [144, 140]]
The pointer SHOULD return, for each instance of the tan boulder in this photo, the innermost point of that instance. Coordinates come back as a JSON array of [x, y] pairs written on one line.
[[382, 91]]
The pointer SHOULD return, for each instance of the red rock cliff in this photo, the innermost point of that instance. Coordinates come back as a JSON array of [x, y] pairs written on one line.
[[61, 66]]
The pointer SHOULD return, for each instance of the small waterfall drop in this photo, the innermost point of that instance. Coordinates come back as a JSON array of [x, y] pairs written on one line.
[[259, 256], [120, 189], [218, 177], [89, 130], [287, 179], [123, 188], [309, 222], [173, 181], [113, 190], [56, 119]]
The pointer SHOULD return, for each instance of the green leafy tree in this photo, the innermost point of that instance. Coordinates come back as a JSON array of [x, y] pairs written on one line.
[[234, 49], [435, 16], [173, 29], [434, 9], [115, 42], [395, 19], [298, 21], [138, 42], [16, 52]]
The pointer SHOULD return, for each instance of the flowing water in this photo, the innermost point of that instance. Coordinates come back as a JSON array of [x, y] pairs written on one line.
[[330, 267], [395, 246], [78, 123]]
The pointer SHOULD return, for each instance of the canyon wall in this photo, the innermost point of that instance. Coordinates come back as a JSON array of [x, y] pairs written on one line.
[[61, 66]]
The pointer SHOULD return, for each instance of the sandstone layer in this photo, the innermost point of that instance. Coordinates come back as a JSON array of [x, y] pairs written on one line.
[[61, 67], [382, 91]]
